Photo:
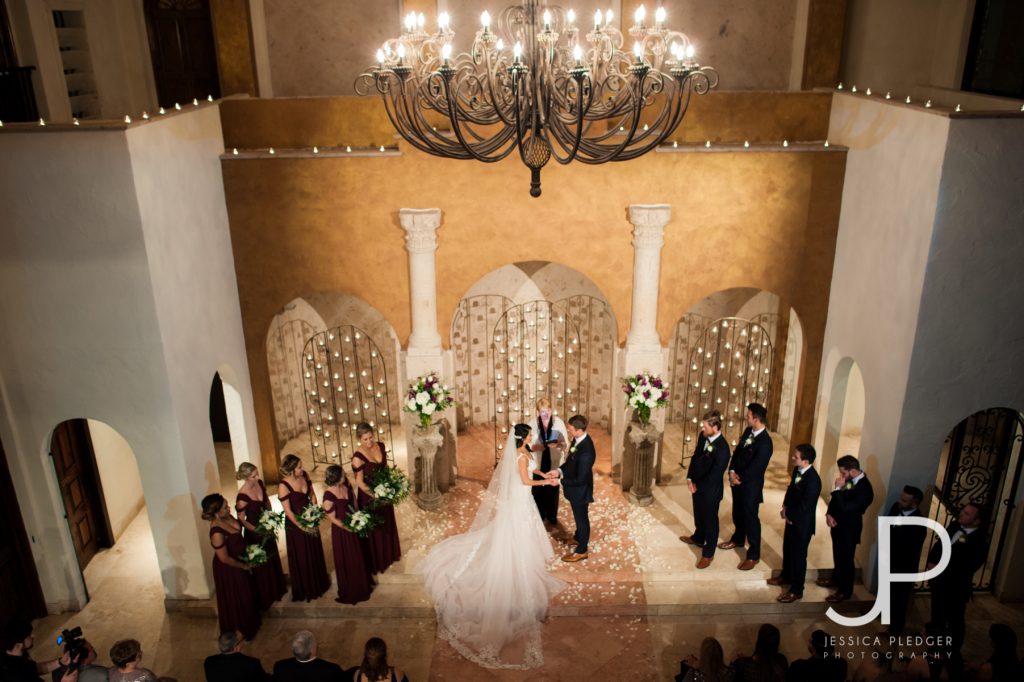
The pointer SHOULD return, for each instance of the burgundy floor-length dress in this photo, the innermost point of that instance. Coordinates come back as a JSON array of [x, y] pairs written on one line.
[[383, 540], [306, 565], [269, 577], [351, 565], [237, 599]]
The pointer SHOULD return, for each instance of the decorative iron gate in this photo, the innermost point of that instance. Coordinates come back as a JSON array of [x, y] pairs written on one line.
[[535, 353], [981, 463], [285, 366], [730, 366], [471, 331], [597, 343], [346, 382]]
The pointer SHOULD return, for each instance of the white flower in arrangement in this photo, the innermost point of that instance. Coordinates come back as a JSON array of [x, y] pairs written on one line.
[[650, 402], [411, 405], [422, 398], [429, 408]]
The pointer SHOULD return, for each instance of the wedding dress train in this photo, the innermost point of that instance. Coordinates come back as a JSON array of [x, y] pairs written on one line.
[[491, 585]]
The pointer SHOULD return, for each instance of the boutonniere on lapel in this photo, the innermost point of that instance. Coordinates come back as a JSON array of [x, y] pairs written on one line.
[[848, 486], [572, 450], [962, 540], [708, 447], [748, 441], [799, 477]]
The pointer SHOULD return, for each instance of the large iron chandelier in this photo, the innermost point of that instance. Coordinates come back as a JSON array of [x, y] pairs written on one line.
[[538, 83]]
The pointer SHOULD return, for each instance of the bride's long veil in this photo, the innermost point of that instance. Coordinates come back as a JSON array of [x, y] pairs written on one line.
[[490, 585]]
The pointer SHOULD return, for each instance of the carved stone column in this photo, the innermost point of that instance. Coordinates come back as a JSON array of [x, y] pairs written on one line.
[[424, 350], [425, 443], [642, 442]]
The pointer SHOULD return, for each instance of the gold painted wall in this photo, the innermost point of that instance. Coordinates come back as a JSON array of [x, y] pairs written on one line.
[[741, 218]]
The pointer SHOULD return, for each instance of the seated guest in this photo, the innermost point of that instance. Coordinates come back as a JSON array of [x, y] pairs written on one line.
[[126, 655], [88, 671], [879, 666], [935, 664], [710, 667], [822, 666], [305, 666], [1003, 663], [766, 664], [17, 666], [375, 666], [231, 665]]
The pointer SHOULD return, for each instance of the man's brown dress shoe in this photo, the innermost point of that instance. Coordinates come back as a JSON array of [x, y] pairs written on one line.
[[824, 582], [704, 562], [573, 558], [777, 581], [727, 545], [836, 597], [749, 564], [688, 539], [789, 598]]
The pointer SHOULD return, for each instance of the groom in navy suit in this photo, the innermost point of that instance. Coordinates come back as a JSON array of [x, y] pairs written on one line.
[[577, 478]]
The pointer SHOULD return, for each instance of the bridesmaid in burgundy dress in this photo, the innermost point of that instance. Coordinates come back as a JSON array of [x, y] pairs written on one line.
[[383, 540], [306, 565], [237, 600], [351, 565], [251, 502]]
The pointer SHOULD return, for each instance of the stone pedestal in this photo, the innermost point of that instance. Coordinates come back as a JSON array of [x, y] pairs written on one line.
[[640, 450], [424, 444]]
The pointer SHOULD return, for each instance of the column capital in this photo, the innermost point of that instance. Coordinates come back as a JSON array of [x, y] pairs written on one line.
[[420, 225], [649, 222]]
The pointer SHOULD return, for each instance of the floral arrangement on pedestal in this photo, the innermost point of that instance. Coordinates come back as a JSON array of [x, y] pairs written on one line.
[[309, 518], [426, 396], [360, 521], [389, 485], [644, 392]]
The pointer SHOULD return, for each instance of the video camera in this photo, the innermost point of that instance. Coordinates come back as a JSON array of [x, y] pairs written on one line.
[[74, 645]]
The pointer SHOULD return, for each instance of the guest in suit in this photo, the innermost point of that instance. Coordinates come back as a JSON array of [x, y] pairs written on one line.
[[231, 665], [305, 666], [851, 496], [374, 667], [905, 555], [822, 666], [704, 477], [798, 512], [746, 478], [577, 479], [952, 589]]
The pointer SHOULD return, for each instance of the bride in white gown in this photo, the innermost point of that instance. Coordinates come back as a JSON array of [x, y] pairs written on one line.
[[491, 585]]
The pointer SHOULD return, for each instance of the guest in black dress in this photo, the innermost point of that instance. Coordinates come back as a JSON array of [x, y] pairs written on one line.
[[306, 565], [237, 599], [351, 565], [383, 540], [375, 666], [251, 502]]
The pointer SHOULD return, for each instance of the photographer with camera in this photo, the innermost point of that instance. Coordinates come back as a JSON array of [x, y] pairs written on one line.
[[83, 659], [16, 664]]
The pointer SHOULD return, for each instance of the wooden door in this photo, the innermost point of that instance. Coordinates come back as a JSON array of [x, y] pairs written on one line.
[[182, 49], [20, 594], [79, 481]]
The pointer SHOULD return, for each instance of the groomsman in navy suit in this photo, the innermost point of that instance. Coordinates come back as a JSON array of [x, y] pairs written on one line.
[[746, 476], [705, 479], [952, 589], [798, 512], [905, 555], [852, 494]]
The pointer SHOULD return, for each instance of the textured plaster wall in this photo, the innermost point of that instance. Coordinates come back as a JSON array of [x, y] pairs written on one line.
[[737, 206]]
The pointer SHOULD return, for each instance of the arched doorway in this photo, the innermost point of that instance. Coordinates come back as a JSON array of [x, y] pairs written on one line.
[[98, 477], [981, 463], [844, 421], [752, 345], [227, 426]]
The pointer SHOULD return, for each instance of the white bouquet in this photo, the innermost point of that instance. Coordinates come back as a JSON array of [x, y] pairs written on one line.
[[270, 523], [309, 518], [426, 396], [360, 522], [389, 485], [254, 555], [643, 393]]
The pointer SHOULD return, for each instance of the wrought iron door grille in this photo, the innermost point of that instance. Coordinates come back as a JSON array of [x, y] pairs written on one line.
[[345, 382], [472, 326], [534, 353], [730, 367]]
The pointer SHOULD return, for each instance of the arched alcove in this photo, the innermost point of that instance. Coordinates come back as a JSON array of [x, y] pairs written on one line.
[[227, 427], [844, 420], [485, 304], [724, 327], [98, 477]]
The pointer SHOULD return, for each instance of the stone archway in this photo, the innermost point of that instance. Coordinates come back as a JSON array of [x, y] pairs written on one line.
[[844, 421]]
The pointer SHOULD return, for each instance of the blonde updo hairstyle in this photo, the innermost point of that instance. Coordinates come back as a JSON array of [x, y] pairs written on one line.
[[288, 464], [245, 470]]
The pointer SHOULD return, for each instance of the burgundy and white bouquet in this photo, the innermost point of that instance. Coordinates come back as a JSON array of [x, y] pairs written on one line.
[[360, 521], [644, 392], [426, 396]]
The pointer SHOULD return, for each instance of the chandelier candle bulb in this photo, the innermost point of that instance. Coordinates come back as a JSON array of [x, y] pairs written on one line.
[[500, 45], [597, 20], [421, 21], [659, 16], [570, 17], [639, 15], [401, 52], [485, 20], [547, 20], [577, 54], [442, 21], [517, 51], [446, 52], [380, 59], [638, 50], [608, 16]]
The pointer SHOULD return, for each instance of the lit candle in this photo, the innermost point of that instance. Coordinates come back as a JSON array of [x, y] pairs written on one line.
[[577, 53], [547, 20], [443, 20], [597, 20], [608, 16], [690, 52], [639, 15], [517, 51], [500, 45], [570, 17], [410, 22], [421, 20], [638, 50], [380, 58], [485, 20], [446, 52], [401, 52], [659, 16]]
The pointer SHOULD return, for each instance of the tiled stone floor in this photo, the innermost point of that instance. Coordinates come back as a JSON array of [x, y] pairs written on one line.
[[632, 610]]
